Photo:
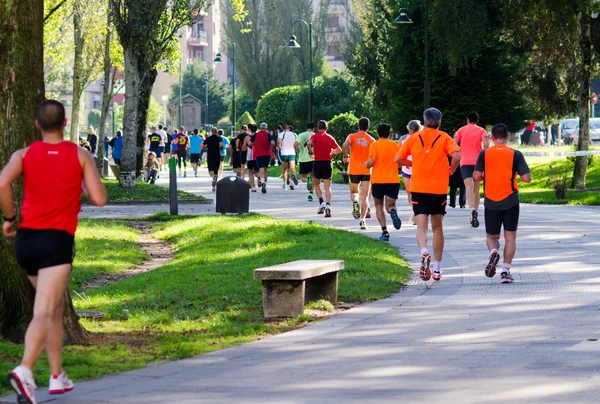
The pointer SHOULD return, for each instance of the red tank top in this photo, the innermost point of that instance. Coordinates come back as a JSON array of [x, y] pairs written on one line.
[[52, 187]]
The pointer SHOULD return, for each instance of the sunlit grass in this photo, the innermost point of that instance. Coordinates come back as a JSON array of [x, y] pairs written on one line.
[[207, 298]]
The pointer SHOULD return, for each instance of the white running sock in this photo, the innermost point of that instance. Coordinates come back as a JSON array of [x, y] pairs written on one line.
[[436, 266], [506, 267], [424, 250], [494, 250]]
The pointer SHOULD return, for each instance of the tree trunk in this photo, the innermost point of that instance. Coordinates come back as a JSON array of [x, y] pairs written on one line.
[[78, 83], [138, 90], [585, 45], [21, 89], [107, 93], [128, 176]]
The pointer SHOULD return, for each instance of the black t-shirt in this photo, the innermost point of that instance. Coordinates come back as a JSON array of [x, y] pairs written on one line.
[[93, 141], [155, 139], [169, 140], [212, 147], [241, 137]]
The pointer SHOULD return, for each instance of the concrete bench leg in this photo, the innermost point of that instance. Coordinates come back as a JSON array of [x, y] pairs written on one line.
[[283, 298], [322, 287]]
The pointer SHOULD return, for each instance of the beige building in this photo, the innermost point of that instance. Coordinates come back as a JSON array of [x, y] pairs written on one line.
[[200, 41], [339, 19]]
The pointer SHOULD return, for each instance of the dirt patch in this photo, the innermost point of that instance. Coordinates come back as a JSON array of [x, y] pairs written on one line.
[[160, 254]]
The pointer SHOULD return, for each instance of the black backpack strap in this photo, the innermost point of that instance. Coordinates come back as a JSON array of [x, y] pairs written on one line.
[[422, 142]]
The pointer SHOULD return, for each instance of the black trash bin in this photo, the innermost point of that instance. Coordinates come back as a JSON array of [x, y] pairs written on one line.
[[233, 195]]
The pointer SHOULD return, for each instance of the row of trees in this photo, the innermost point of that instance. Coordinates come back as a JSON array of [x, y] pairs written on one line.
[[510, 60], [147, 33]]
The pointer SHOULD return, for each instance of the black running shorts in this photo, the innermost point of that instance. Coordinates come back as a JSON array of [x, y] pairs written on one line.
[[467, 171], [306, 168], [390, 190], [213, 165], [322, 170], [263, 161], [252, 165], [428, 204], [357, 179], [195, 158], [39, 249], [496, 219], [243, 157]]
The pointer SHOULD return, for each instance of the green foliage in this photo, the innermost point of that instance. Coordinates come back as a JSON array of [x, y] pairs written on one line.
[[219, 94], [94, 118], [332, 96], [262, 60], [491, 81], [340, 127], [244, 102], [343, 125], [155, 113], [273, 106], [206, 299], [245, 119]]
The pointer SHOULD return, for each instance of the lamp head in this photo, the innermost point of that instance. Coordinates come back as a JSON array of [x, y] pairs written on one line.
[[403, 18], [206, 78], [293, 43], [218, 58]]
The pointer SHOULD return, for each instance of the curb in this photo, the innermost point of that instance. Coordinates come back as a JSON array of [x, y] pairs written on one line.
[[133, 203]]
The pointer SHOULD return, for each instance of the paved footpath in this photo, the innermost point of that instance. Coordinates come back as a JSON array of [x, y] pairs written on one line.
[[467, 339]]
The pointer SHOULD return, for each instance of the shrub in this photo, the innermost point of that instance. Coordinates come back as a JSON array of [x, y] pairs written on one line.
[[245, 119], [273, 106], [340, 127], [94, 118]]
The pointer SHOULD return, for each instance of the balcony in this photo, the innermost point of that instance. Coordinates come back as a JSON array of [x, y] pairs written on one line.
[[199, 39]]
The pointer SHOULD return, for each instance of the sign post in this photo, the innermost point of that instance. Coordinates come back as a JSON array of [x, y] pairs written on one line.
[[173, 186]]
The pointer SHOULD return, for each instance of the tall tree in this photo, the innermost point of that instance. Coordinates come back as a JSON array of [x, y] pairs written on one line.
[[483, 74], [22, 84], [262, 60], [89, 31], [148, 34], [560, 35]]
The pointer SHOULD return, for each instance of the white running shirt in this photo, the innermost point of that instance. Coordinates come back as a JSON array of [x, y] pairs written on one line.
[[287, 143]]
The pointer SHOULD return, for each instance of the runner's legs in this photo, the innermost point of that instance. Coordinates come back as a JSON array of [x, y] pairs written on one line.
[[365, 194], [46, 329], [327, 185], [510, 246], [438, 236]]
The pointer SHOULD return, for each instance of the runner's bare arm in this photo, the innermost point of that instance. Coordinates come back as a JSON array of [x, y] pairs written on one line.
[[297, 147], [486, 141], [526, 178], [93, 186], [455, 162], [370, 162], [11, 173], [346, 151], [278, 143], [403, 162]]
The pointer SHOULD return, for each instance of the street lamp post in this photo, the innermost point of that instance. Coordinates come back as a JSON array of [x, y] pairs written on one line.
[[180, 114], [294, 44], [206, 103], [164, 99], [403, 18], [218, 59]]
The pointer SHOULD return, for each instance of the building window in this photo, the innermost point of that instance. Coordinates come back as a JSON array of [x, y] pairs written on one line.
[[333, 51], [333, 21]]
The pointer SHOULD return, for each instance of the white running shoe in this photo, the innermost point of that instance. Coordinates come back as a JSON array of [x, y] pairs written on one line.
[[21, 381], [60, 384]]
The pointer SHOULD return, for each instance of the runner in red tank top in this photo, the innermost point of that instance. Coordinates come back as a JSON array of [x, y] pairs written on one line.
[[53, 171]]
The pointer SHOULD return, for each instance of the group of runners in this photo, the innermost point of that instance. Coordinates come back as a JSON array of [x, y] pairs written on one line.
[[45, 243], [183, 145]]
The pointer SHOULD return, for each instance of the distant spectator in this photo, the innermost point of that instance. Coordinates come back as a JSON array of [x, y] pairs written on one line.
[[93, 141], [117, 146]]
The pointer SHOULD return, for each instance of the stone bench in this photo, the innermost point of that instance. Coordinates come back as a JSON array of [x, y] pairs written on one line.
[[288, 287]]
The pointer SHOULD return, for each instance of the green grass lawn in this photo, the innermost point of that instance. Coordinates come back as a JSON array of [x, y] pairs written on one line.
[[142, 192], [541, 190], [207, 299], [104, 246]]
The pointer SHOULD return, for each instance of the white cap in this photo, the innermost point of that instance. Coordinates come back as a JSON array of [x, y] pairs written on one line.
[[263, 125]]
